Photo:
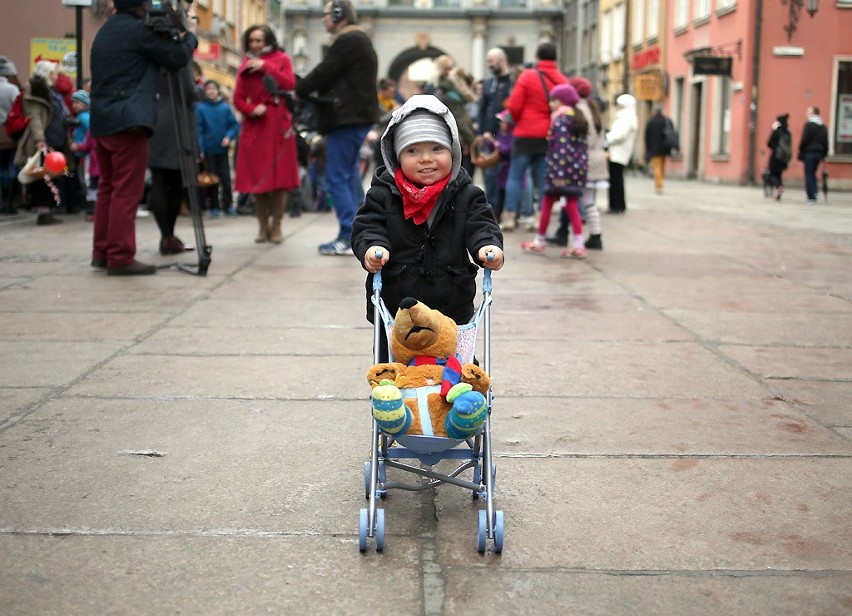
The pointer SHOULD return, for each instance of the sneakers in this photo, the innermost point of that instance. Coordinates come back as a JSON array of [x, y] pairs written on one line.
[[534, 246], [338, 247], [215, 213], [528, 222], [134, 268], [509, 224], [573, 253]]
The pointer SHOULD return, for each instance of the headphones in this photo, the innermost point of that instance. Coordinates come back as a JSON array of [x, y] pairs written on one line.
[[336, 11]]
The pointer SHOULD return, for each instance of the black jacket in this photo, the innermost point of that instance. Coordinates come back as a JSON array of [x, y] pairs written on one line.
[[495, 90], [126, 58], [655, 141], [347, 76], [431, 264], [777, 165], [814, 139], [163, 151]]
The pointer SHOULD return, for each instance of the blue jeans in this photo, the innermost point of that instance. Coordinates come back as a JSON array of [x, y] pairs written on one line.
[[492, 185], [812, 161], [342, 178], [514, 184]]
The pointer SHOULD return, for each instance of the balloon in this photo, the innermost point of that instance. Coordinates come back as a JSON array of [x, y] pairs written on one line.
[[55, 162]]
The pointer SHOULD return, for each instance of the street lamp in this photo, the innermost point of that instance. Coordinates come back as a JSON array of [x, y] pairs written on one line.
[[796, 7]]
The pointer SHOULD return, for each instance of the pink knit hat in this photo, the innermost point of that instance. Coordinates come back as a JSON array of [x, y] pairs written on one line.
[[565, 94], [582, 85]]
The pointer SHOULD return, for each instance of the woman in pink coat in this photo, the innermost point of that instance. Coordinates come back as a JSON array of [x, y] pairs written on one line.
[[266, 159]]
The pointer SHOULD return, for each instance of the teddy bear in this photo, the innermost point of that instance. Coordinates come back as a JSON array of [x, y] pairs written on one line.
[[427, 390]]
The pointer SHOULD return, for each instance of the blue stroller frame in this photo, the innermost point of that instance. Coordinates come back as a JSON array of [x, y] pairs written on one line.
[[386, 451]]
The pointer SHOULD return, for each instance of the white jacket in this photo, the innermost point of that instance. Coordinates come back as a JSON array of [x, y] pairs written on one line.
[[622, 135]]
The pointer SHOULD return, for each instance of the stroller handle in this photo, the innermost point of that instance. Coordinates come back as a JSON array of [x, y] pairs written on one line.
[[377, 277]]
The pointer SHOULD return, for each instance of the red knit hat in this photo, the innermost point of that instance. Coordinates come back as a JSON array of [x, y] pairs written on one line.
[[582, 85]]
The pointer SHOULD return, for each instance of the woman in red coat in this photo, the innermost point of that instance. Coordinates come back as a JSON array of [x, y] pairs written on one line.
[[267, 166]]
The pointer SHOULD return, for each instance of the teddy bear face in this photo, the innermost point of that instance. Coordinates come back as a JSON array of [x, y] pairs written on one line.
[[420, 330]]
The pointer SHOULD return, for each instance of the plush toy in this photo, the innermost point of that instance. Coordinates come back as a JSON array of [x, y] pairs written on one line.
[[427, 390]]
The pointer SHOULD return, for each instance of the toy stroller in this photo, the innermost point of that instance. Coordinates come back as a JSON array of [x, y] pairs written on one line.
[[387, 451]]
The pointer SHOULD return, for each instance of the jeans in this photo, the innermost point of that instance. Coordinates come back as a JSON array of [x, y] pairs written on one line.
[[514, 185], [812, 161], [218, 164], [342, 176], [492, 186]]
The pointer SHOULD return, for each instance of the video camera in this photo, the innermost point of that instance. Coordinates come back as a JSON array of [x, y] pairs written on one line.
[[167, 15]]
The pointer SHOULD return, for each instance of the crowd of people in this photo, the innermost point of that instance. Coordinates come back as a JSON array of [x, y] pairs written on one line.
[[537, 136]]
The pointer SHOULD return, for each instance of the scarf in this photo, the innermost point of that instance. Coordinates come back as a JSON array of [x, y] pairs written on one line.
[[452, 370], [418, 201]]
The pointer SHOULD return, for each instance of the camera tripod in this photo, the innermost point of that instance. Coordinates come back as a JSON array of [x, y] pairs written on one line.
[[188, 153]]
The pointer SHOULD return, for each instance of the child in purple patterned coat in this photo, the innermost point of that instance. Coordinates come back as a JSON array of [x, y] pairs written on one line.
[[567, 163]]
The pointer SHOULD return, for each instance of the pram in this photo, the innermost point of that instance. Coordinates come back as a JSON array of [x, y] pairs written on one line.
[[387, 451]]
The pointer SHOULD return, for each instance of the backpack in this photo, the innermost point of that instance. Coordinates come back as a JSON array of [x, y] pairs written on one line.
[[783, 152], [16, 122], [670, 137]]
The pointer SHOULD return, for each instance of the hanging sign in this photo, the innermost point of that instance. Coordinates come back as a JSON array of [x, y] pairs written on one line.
[[712, 65]]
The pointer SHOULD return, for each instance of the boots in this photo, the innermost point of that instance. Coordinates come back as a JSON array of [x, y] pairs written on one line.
[[560, 238], [594, 242], [279, 202], [261, 210]]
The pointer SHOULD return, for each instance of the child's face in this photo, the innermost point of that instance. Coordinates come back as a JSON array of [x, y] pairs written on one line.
[[555, 104], [211, 92], [426, 163], [77, 106]]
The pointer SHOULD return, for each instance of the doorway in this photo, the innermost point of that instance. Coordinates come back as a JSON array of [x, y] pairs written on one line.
[[696, 115]]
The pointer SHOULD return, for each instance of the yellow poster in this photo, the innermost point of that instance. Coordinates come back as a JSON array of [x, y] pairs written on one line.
[[63, 51]]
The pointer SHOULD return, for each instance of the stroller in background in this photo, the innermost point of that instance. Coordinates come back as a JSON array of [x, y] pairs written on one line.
[[388, 451]]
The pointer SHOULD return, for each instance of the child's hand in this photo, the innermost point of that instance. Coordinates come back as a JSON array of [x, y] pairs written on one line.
[[376, 258], [496, 260]]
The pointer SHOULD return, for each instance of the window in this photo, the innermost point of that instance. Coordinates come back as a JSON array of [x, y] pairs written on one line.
[[722, 122], [513, 4], [653, 23], [702, 9], [842, 134], [606, 37], [638, 13], [681, 17], [618, 32], [677, 104], [725, 6]]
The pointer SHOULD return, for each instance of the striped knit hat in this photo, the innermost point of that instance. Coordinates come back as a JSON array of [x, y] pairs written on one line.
[[421, 126]]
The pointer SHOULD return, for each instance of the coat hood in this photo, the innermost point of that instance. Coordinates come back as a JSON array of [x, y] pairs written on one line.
[[417, 102]]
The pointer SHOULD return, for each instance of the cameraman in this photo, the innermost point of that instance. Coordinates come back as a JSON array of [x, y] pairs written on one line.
[[126, 58]]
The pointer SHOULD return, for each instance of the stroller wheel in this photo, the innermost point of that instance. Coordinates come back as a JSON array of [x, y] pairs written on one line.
[[481, 531], [498, 532], [380, 530], [362, 530]]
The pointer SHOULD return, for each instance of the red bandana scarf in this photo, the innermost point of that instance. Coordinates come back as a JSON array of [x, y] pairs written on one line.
[[418, 201]]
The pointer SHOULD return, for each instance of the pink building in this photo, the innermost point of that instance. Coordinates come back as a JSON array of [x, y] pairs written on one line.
[[735, 65]]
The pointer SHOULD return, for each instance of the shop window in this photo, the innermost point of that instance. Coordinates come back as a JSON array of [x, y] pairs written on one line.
[[722, 122], [842, 134]]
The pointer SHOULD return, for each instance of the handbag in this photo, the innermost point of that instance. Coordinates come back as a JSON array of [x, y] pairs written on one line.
[[33, 169], [206, 179], [481, 158]]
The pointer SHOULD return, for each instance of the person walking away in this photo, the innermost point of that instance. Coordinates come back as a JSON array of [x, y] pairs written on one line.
[[621, 139], [656, 146], [217, 129], [9, 91], [267, 160], [780, 146], [495, 91], [347, 77], [46, 131], [813, 148], [529, 104], [125, 60], [567, 163], [423, 219]]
